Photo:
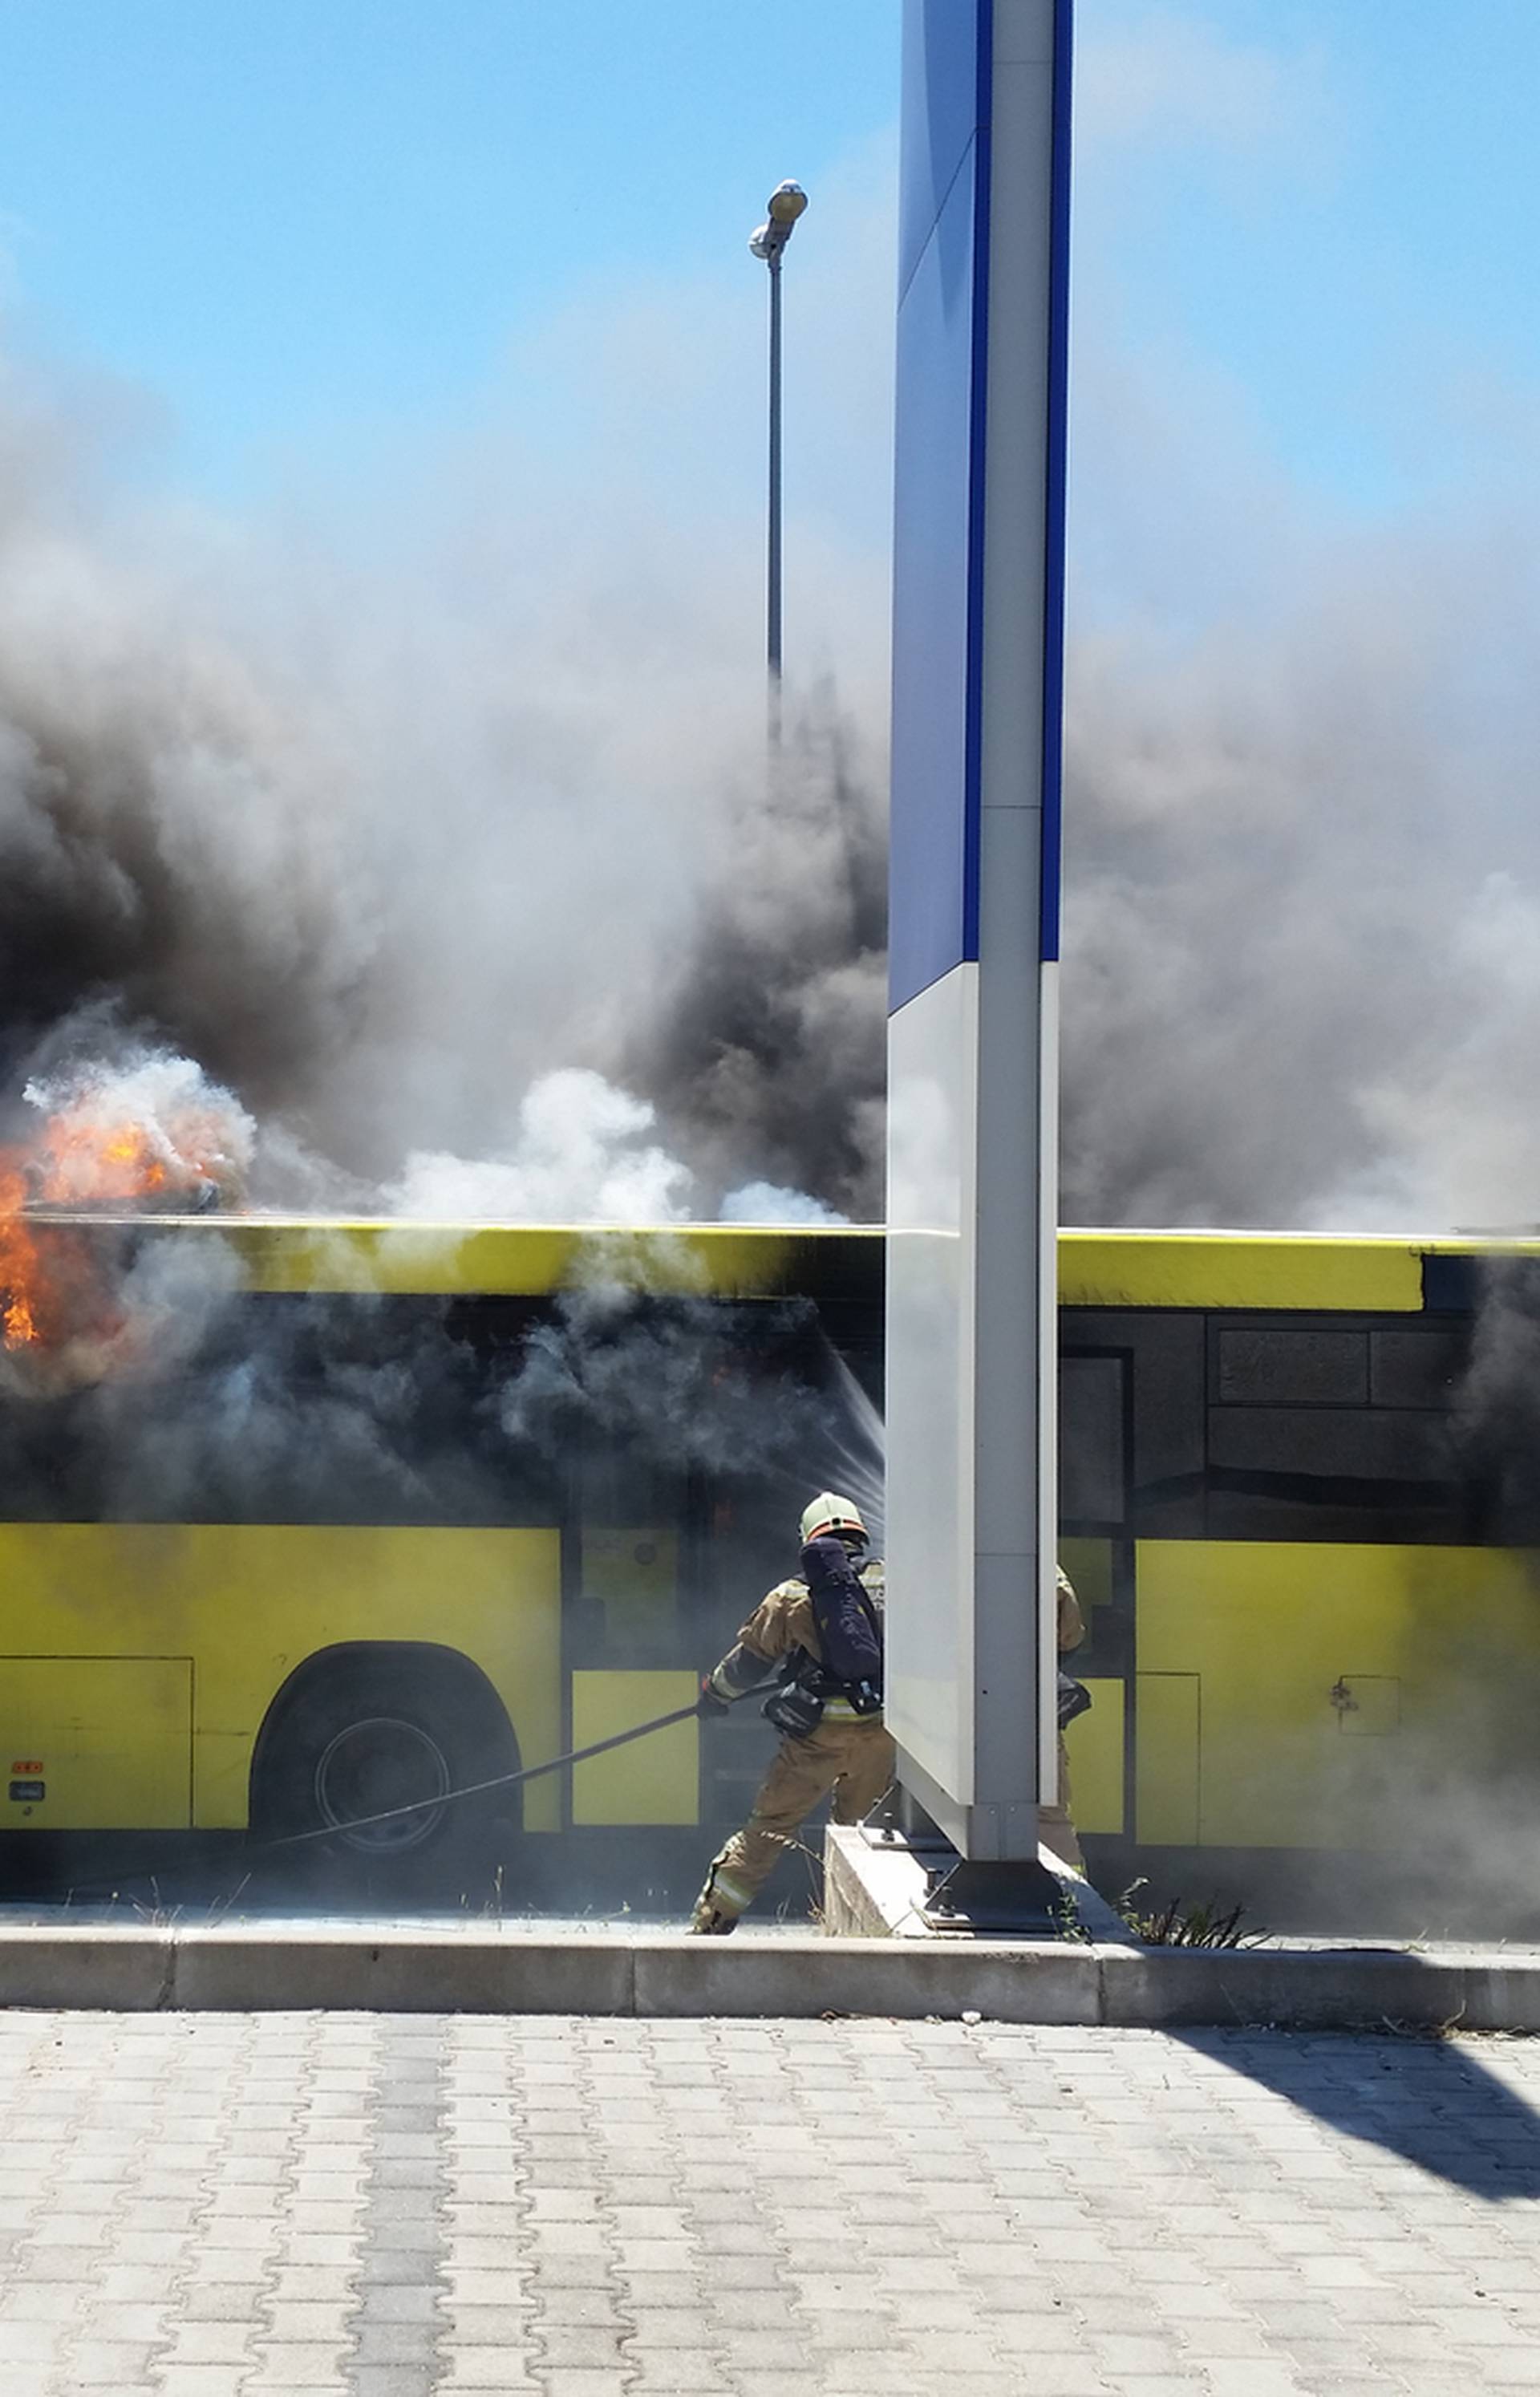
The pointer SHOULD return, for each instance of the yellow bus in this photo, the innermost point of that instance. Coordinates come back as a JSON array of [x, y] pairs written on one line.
[[364, 1512]]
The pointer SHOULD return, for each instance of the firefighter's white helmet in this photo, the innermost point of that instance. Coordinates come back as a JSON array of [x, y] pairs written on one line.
[[829, 1512]]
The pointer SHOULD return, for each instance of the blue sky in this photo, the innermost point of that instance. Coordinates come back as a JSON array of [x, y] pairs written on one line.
[[316, 230], [286, 215], [1346, 228]]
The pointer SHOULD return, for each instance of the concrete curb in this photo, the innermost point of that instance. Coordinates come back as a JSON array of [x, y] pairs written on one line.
[[875, 1890], [248, 1968]]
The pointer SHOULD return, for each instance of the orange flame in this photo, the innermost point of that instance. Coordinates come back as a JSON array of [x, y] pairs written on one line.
[[52, 1283]]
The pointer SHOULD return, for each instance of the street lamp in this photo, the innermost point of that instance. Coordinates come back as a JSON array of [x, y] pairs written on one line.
[[768, 241]]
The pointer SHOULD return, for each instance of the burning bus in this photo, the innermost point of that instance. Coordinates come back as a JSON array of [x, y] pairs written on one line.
[[308, 1522], [308, 1525]]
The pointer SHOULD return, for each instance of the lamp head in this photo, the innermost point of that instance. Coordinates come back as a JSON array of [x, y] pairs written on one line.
[[786, 204]]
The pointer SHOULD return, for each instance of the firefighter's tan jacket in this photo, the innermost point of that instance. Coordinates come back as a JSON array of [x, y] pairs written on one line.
[[785, 1621], [1072, 1623]]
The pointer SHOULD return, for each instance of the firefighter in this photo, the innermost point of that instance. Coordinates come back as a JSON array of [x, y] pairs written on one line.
[[833, 1735], [1055, 1825]]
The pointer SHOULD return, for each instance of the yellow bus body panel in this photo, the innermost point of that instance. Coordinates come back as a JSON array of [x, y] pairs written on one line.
[[1300, 1272], [1094, 1745], [1257, 1271], [1166, 1769], [247, 1603], [285, 1253], [1336, 1696], [652, 1780], [99, 1739]]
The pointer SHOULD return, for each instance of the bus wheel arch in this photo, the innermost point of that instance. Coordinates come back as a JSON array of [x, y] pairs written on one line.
[[365, 1728]]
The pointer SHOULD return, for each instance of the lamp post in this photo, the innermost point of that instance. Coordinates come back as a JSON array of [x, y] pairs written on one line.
[[768, 241]]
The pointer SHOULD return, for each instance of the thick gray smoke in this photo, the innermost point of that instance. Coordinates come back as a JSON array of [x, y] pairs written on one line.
[[1303, 907], [451, 852], [1303, 858], [752, 1394], [1497, 1414], [1301, 910], [411, 885], [769, 1041], [163, 849]]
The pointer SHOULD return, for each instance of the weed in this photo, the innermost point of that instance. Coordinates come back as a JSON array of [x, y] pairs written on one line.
[[1176, 1924], [1066, 1919]]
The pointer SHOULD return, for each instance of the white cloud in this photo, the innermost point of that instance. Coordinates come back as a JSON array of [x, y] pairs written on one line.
[[1157, 78]]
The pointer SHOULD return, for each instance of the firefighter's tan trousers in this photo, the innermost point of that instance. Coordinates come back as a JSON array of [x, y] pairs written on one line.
[[854, 1759], [1056, 1824]]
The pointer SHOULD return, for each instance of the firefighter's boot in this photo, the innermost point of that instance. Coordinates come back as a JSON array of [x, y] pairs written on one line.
[[715, 1913]]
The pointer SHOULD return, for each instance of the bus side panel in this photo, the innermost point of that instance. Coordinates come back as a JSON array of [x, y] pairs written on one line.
[[651, 1780], [1349, 1695], [1167, 1771], [1094, 1743], [95, 1739], [248, 1603]]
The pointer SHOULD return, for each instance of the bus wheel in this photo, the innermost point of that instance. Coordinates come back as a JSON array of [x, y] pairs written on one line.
[[356, 1774]]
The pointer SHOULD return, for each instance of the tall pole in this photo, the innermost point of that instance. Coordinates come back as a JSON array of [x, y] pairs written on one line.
[[970, 1681], [772, 599], [768, 242]]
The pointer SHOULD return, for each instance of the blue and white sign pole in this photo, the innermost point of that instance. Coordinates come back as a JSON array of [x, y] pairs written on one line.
[[978, 619]]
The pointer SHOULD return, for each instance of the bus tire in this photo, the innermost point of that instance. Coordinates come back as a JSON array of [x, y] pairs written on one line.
[[359, 1732]]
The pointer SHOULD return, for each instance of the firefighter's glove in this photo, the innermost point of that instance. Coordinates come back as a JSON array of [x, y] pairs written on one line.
[[1074, 1698], [711, 1701]]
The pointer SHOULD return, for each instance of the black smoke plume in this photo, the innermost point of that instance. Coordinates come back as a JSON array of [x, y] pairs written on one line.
[[765, 1057], [379, 903], [160, 868]]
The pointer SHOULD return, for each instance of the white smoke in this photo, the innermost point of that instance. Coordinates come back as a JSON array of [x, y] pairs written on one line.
[[583, 1155], [580, 1155], [151, 1114], [767, 1203]]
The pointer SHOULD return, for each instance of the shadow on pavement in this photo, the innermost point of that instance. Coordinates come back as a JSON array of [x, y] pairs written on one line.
[[1427, 2101]]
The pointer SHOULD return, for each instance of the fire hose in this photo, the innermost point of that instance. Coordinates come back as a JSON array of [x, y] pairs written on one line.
[[1072, 1700], [498, 1781]]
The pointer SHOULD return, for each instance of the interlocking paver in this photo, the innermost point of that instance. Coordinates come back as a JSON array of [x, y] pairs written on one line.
[[276, 2207]]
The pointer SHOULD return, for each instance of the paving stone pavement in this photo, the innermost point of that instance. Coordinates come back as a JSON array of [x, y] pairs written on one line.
[[278, 2205]]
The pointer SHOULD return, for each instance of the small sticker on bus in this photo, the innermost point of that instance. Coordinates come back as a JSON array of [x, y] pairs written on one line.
[[27, 1793], [25, 1765]]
